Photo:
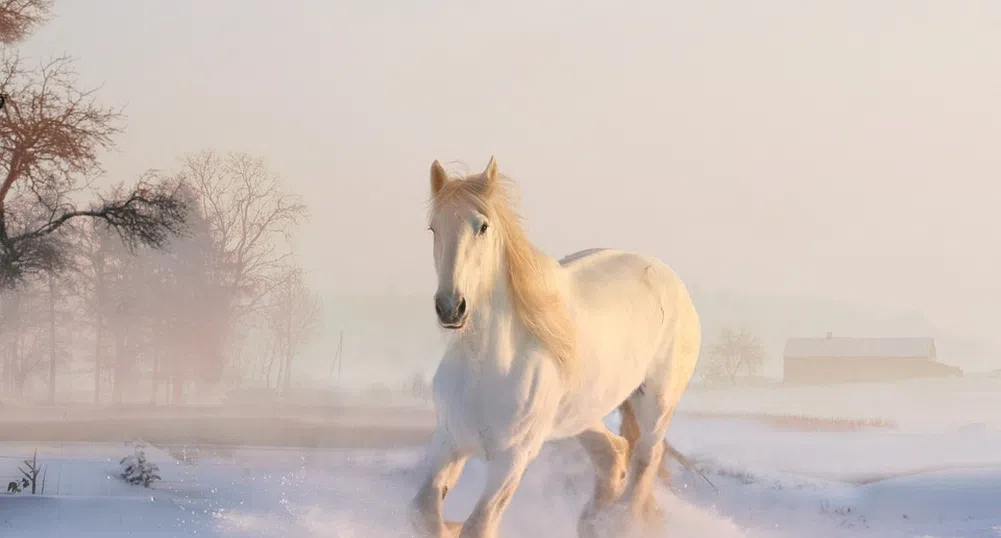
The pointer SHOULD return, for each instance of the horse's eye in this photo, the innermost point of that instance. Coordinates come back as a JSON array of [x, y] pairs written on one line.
[[483, 228]]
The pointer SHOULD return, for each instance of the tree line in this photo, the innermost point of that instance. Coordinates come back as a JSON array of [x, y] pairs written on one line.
[[179, 281]]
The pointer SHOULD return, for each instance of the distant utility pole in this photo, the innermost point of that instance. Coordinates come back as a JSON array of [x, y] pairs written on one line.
[[337, 358]]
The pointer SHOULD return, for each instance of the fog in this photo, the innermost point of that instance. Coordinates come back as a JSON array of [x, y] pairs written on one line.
[[810, 170]]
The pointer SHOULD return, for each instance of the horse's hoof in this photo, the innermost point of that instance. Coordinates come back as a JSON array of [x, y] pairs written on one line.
[[612, 520], [651, 514], [424, 527], [622, 519], [451, 529]]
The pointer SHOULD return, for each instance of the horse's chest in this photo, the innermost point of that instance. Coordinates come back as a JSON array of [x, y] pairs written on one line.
[[486, 410]]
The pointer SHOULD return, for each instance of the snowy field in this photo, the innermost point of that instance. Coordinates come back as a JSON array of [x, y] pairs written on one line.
[[940, 478]]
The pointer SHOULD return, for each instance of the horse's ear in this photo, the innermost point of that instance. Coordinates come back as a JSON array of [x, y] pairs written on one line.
[[490, 174], [438, 177]]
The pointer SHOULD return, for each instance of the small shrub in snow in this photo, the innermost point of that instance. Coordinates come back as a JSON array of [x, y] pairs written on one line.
[[31, 470], [137, 470]]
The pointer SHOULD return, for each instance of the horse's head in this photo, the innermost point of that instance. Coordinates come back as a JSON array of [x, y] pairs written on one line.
[[467, 241]]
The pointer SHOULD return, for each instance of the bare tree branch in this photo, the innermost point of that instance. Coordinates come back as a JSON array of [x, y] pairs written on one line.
[[54, 132], [20, 18], [147, 215]]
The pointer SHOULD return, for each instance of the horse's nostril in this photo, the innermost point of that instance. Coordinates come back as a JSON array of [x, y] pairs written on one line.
[[437, 309], [462, 306]]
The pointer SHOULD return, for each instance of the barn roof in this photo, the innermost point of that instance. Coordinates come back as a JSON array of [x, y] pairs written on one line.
[[860, 347]]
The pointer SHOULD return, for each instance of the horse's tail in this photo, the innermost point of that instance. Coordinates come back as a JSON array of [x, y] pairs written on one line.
[[665, 474], [629, 428]]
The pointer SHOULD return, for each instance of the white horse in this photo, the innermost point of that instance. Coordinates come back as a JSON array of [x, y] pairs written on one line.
[[544, 350]]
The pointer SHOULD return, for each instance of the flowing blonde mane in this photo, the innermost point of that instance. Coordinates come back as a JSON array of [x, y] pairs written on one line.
[[535, 295]]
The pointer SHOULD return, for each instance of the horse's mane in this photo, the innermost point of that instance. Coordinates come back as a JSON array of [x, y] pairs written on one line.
[[535, 295]]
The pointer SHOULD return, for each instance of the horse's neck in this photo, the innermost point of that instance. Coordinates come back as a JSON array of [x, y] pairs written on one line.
[[498, 328], [497, 321]]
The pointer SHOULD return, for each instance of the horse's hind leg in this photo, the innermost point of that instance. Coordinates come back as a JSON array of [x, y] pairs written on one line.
[[651, 412], [610, 455], [629, 429]]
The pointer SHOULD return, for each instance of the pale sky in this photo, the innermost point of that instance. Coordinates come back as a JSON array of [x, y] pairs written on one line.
[[842, 150]]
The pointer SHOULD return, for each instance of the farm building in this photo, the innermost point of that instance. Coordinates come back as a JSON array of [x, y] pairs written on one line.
[[821, 361]]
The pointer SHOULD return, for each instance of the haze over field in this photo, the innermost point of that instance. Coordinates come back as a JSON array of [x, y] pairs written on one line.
[[839, 151]]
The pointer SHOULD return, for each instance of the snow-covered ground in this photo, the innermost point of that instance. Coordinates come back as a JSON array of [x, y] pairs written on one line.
[[942, 481]]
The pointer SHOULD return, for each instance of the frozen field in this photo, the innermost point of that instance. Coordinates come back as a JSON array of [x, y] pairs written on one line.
[[774, 480]]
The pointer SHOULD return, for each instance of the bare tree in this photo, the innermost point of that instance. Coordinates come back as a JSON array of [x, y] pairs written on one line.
[[294, 315], [53, 320], [734, 352], [191, 309], [94, 269], [251, 219], [51, 136], [23, 341], [20, 18]]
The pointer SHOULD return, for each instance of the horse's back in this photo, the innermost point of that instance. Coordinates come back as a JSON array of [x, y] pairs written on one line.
[[609, 265], [580, 254]]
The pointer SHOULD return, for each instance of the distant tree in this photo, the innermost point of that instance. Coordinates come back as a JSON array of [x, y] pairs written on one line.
[[294, 315], [97, 260], [251, 218], [735, 352], [127, 311], [23, 351], [191, 314], [61, 323]]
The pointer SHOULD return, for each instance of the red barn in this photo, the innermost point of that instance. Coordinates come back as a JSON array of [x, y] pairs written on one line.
[[823, 361]]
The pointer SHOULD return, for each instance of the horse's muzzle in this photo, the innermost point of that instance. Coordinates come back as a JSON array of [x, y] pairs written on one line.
[[451, 310]]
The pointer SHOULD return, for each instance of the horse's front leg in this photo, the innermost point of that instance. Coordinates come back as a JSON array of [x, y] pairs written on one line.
[[446, 464], [503, 475]]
